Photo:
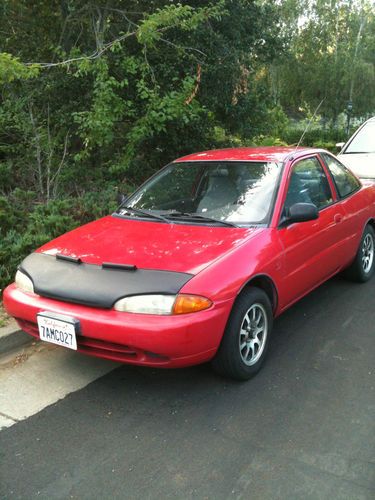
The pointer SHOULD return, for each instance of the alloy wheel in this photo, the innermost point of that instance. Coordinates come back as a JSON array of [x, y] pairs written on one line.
[[367, 252], [253, 334]]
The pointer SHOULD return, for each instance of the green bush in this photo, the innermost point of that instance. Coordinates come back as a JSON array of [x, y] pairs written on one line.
[[329, 145], [20, 233], [262, 140], [313, 136]]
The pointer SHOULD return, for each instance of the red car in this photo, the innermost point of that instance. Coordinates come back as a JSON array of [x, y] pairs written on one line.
[[195, 264]]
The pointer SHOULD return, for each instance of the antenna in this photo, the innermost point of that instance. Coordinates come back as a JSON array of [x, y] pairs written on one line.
[[309, 123]]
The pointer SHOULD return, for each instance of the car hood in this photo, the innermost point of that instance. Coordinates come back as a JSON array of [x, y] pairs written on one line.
[[362, 164], [149, 245]]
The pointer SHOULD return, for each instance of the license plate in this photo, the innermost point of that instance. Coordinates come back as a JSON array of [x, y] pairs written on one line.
[[58, 329]]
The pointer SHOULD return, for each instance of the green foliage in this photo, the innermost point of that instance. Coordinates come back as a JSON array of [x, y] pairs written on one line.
[[12, 69], [185, 17], [133, 89], [25, 224], [262, 140], [329, 145], [97, 126], [331, 57], [314, 136]]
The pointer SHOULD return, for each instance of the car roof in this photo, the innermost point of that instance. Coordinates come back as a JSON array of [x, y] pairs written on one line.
[[268, 154]]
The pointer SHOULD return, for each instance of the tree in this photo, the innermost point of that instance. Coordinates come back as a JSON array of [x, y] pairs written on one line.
[[123, 81], [330, 57]]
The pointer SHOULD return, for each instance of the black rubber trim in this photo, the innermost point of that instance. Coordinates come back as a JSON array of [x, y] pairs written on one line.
[[62, 317], [123, 267], [93, 285], [75, 260]]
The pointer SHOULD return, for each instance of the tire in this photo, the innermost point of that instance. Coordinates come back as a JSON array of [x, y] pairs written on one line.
[[363, 265], [246, 337]]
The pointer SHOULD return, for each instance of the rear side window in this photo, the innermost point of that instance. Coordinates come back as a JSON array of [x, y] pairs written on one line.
[[346, 183]]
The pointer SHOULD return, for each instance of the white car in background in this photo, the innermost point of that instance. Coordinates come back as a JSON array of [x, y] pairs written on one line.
[[358, 153]]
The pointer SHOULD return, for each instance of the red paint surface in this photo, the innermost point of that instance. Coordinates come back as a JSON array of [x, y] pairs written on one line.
[[148, 245]]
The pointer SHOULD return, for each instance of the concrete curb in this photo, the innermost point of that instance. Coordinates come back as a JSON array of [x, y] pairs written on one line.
[[12, 337]]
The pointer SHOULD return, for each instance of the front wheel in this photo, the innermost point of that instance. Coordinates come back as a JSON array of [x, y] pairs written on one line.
[[363, 265], [246, 337]]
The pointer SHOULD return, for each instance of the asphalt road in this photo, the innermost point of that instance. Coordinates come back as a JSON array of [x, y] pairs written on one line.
[[304, 428]]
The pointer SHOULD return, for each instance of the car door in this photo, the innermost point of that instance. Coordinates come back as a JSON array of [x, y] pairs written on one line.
[[312, 249]]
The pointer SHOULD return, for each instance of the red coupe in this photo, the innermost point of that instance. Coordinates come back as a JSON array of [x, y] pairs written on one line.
[[196, 263]]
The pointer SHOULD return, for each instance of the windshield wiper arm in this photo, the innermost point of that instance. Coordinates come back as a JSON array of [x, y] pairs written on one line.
[[189, 215], [138, 211]]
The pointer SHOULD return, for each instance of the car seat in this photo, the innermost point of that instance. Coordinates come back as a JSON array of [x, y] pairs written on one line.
[[221, 191]]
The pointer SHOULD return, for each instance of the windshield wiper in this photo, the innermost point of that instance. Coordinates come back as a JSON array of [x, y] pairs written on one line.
[[188, 215], [138, 211]]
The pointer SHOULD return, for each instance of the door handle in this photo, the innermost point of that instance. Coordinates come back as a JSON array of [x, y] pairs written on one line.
[[337, 218]]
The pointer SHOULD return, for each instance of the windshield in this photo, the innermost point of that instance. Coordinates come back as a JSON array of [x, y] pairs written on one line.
[[364, 141], [237, 192]]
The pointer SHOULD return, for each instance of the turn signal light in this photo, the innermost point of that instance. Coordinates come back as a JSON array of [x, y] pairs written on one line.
[[190, 303]]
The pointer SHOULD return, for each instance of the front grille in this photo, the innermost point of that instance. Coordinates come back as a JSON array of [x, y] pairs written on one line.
[[102, 348], [87, 344]]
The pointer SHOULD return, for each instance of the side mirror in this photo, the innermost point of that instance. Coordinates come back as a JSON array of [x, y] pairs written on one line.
[[340, 145], [302, 212]]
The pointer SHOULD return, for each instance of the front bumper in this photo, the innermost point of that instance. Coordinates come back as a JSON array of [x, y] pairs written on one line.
[[140, 339]]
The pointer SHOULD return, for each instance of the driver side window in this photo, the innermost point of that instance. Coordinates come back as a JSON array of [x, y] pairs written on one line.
[[308, 184]]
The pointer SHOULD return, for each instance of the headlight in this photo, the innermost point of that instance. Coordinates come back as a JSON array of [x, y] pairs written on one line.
[[23, 282], [146, 304], [162, 304]]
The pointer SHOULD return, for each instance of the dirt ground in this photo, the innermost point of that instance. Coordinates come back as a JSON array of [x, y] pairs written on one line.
[[4, 318]]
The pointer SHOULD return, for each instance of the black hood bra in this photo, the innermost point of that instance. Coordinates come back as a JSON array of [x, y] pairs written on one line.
[[70, 280]]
